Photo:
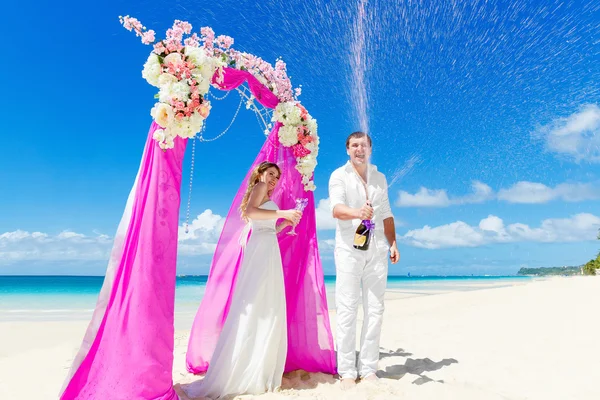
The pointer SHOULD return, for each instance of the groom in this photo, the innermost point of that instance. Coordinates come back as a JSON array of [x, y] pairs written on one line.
[[358, 192]]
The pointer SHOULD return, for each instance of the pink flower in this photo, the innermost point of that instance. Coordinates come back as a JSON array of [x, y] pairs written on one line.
[[174, 34], [300, 151], [184, 26], [303, 112], [192, 41], [131, 23], [208, 35], [280, 65], [304, 135], [159, 48], [148, 37], [224, 41], [298, 91], [203, 110]]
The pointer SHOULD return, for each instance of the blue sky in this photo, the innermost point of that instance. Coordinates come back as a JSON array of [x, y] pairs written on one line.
[[487, 114]]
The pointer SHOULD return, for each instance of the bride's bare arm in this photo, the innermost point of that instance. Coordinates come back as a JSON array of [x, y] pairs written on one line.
[[259, 192]]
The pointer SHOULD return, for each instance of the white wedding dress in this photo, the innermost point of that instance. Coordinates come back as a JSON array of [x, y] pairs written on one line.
[[250, 355]]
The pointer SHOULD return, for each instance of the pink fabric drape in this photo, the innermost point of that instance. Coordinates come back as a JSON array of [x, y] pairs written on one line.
[[310, 342], [129, 349], [233, 78]]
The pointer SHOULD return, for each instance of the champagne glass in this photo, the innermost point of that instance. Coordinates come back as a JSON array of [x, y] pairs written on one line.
[[301, 204]]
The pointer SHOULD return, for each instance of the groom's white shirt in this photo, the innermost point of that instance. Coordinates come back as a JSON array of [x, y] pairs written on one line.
[[345, 187]]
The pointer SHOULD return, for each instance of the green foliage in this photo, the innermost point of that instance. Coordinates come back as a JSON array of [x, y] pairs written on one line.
[[588, 268], [549, 271], [591, 266]]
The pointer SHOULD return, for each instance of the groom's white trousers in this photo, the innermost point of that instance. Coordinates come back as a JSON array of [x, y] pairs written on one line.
[[356, 269]]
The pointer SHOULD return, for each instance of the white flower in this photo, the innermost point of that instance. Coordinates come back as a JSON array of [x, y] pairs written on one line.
[[287, 113], [203, 84], [152, 69], [168, 143], [166, 79], [288, 135], [159, 135], [196, 122], [164, 139], [311, 124], [162, 114], [196, 55], [306, 165], [179, 90], [174, 58], [166, 82], [187, 127], [310, 186], [312, 147], [181, 128]]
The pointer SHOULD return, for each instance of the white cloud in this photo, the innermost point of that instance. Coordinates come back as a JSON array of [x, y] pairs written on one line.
[[576, 136], [439, 197], [580, 227], [423, 198], [324, 218], [204, 232], [201, 239], [521, 192], [66, 246], [202, 236], [534, 193]]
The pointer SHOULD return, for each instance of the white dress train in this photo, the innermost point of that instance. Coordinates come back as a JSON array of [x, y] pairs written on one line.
[[250, 354]]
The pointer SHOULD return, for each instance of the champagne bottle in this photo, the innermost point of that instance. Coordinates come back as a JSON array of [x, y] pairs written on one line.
[[362, 236]]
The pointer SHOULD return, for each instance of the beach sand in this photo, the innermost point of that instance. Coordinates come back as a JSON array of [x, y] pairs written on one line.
[[539, 340]]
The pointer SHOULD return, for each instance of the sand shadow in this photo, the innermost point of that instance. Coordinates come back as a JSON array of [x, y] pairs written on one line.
[[397, 372], [416, 367], [392, 353]]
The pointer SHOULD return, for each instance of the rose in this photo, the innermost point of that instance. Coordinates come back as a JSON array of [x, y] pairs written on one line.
[[203, 110], [174, 58], [303, 112], [300, 151], [162, 114], [166, 79], [152, 70]]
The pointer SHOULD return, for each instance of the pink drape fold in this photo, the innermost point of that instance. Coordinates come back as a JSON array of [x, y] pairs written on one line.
[[310, 342], [131, 355], [233, 78]]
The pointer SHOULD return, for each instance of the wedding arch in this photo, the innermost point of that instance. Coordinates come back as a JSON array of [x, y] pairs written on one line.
[[127, 350]]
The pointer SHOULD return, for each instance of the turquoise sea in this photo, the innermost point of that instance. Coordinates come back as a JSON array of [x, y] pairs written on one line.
[[44, 298]]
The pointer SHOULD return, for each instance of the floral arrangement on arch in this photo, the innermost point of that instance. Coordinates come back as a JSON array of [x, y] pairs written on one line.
[[183, 70]]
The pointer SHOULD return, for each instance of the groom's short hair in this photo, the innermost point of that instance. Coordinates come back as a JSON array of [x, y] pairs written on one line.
[[358, 135]]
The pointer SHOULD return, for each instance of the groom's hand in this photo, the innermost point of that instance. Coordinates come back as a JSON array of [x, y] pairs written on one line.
[[365, 212], [394, 254]]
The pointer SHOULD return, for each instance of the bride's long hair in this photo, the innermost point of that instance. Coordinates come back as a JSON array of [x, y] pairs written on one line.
[[254, 179]]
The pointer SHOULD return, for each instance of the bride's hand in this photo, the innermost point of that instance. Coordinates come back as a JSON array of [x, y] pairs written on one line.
[[293, 216]]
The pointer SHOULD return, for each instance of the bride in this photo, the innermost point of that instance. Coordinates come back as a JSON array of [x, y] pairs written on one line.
[[250, 354]]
